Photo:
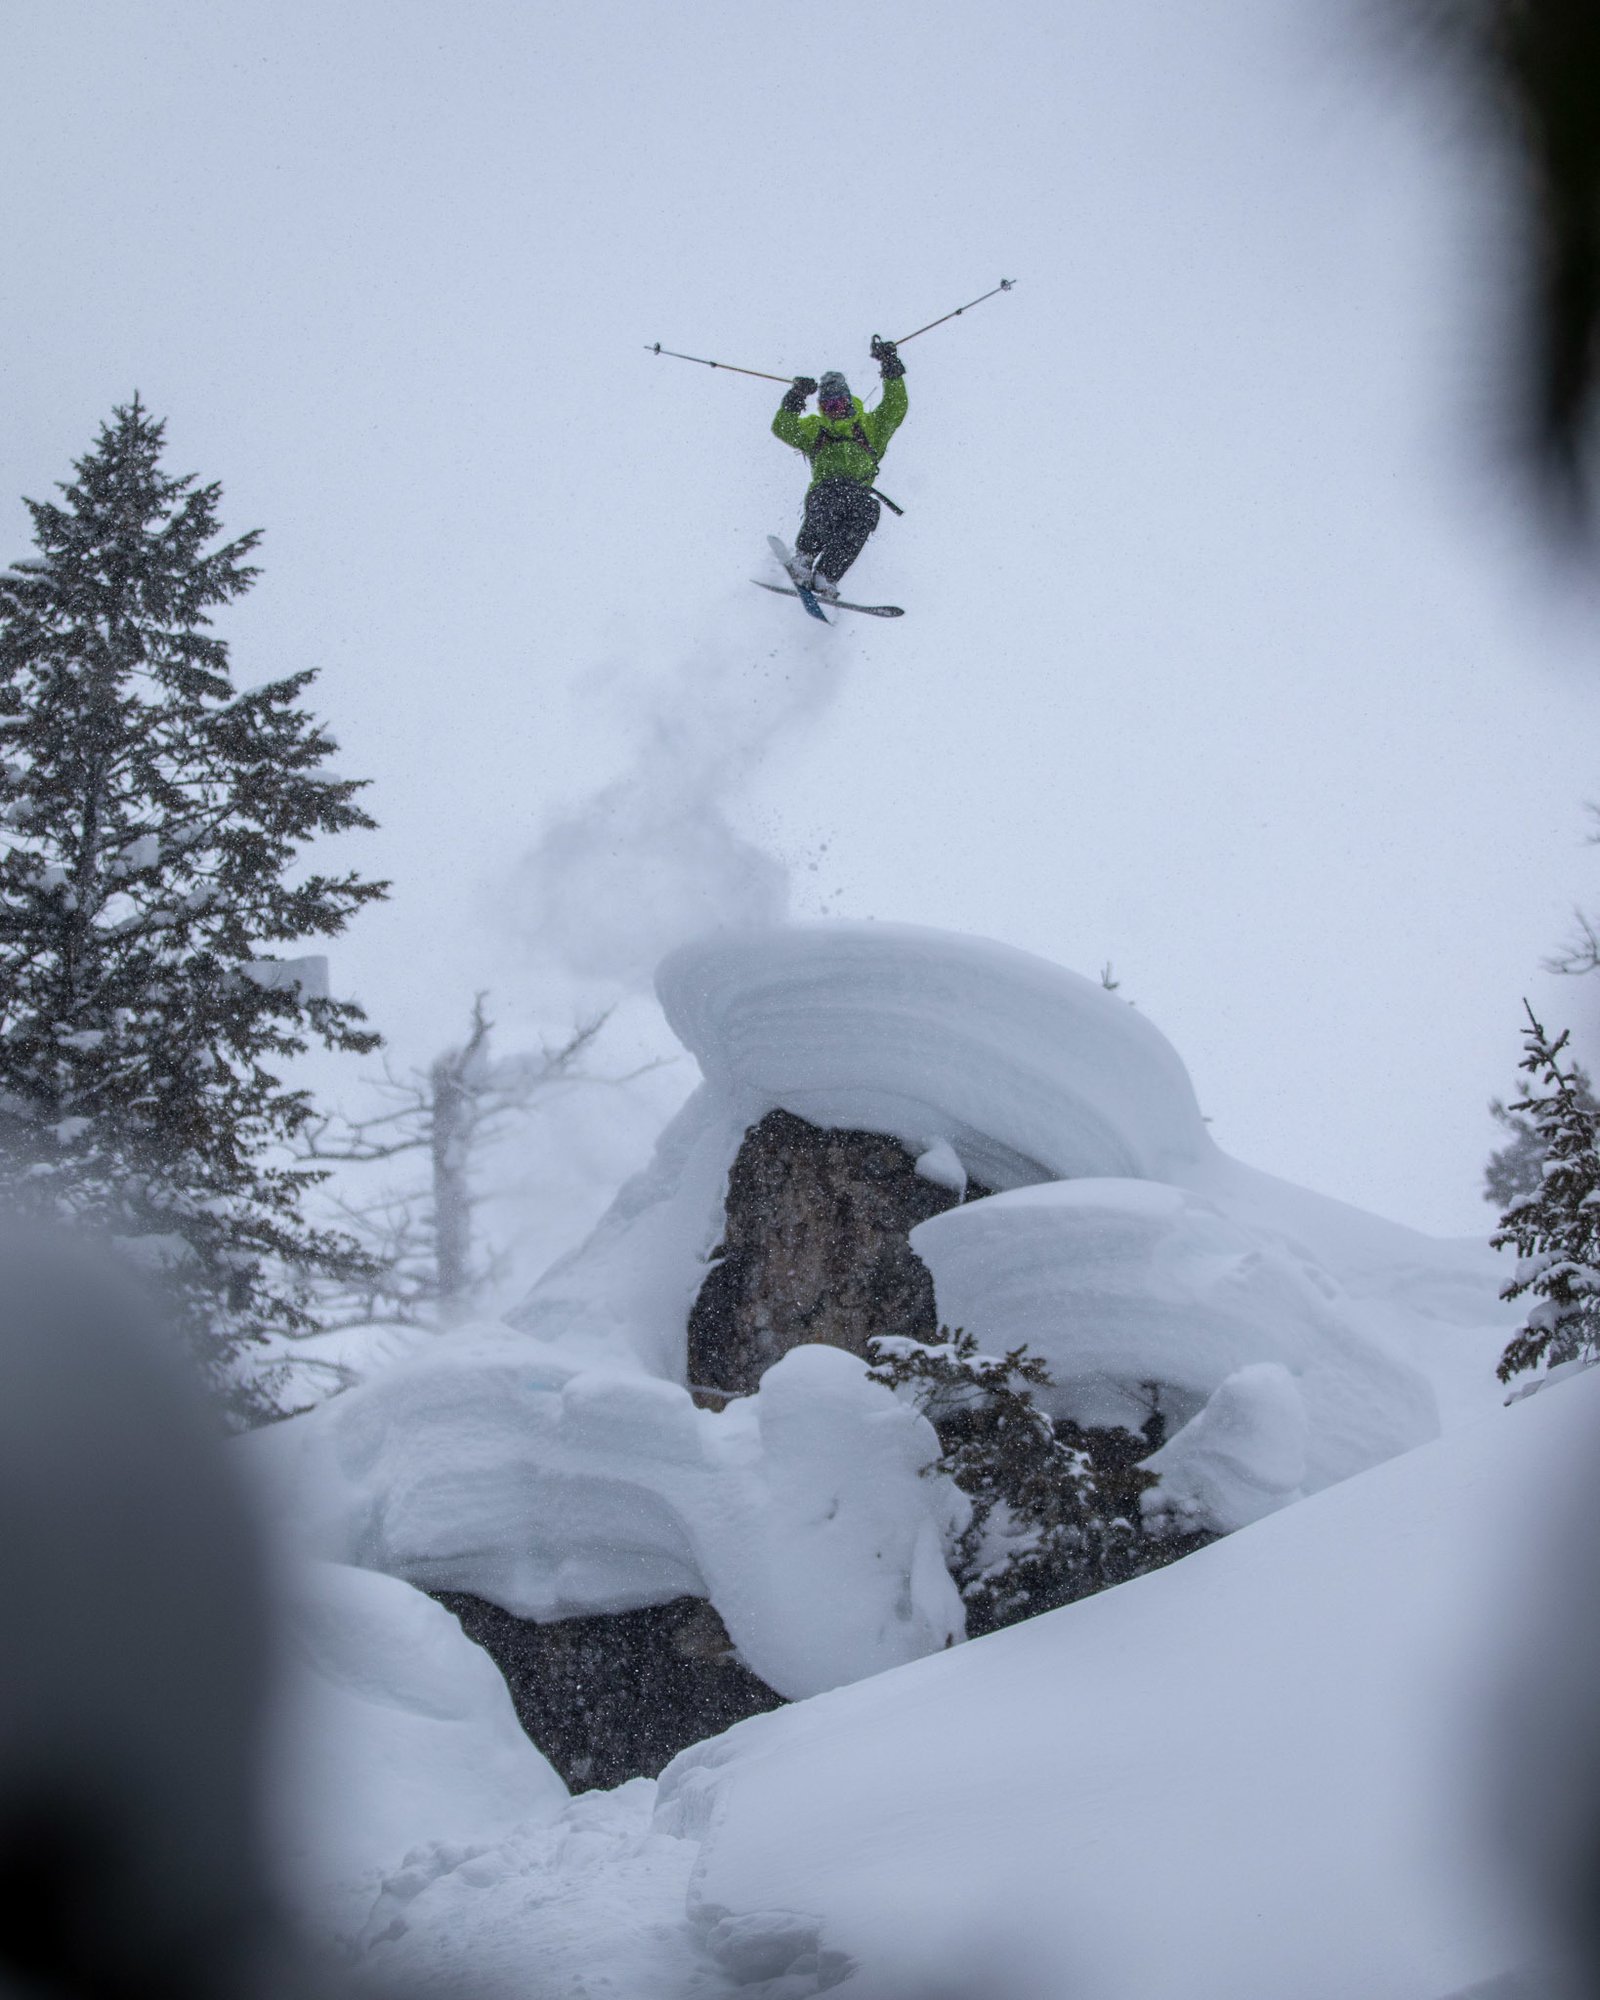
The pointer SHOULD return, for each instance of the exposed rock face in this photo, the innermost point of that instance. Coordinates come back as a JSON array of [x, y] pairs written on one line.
[[618, 1696], [814, 1249]]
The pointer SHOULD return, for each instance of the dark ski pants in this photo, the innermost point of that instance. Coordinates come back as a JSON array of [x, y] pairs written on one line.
[[840, 514]]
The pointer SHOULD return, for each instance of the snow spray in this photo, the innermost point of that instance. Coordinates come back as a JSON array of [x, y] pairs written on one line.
[[653, 858]]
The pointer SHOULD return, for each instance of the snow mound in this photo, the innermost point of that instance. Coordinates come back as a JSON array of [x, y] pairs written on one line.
[[588, 1904], [800, 1512], [1029, 1072], [397, 1731], [1243, 1456], [1120, 1283]]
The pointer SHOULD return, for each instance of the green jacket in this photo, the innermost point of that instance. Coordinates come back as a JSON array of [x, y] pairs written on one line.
[[832, 446]]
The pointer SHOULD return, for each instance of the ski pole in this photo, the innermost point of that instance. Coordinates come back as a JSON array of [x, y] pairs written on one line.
[[1004, 285], [760, 373]]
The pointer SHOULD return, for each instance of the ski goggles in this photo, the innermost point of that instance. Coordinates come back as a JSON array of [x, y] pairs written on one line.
[[835, 406]]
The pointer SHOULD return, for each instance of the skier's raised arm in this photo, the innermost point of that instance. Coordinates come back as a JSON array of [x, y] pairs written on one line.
[[789, 424], [881, 424]]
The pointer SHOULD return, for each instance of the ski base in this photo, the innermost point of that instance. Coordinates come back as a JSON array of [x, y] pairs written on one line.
[[809, 599]]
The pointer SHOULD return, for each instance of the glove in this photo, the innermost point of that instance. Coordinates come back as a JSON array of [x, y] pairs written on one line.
[[795, 400], [887, 356]]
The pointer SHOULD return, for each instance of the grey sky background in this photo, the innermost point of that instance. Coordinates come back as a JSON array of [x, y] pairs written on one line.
[[1229, 656]]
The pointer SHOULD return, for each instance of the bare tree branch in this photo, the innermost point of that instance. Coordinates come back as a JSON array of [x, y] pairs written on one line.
[[421, 1237]]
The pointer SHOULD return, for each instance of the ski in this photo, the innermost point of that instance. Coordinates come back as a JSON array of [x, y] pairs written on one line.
[[833, 603], [809, 598]]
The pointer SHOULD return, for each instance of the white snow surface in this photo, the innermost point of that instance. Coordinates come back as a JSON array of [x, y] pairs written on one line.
[[800, 1512], [941, 1164], [1258, 1773]]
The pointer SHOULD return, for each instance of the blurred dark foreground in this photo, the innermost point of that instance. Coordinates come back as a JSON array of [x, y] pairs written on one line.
[[134, 1659]]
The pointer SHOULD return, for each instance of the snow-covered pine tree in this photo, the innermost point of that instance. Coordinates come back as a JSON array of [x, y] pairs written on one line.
[[1517, 1167], [1555, 1229], [1045, 1528], [155, 817]]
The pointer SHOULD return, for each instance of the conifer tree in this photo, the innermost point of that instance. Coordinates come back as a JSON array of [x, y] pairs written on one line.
[[1517, 1167], [155, 821], [1046, 1527], [1555, 1229]]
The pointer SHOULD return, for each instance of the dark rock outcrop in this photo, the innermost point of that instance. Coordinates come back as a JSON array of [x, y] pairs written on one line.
[[616, 1696], [814, 1249]]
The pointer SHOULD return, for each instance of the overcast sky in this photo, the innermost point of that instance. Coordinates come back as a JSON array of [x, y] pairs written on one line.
[[1228, 655]]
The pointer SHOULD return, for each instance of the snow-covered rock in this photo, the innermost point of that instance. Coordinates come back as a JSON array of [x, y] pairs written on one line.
[[557, 1465], [1026, 1074], [800, 1512], [625, 1293]]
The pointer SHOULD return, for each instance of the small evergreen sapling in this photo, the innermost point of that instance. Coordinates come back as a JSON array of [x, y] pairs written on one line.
[[1555, 1228], [156, 818], [1045, 1527]]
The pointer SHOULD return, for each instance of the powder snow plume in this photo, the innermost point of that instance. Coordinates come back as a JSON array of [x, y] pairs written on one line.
[[653, 858]]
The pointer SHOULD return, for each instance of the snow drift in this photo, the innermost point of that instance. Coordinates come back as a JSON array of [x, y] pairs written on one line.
[[1260, 1772], [396, 1730], [1121, 1283]]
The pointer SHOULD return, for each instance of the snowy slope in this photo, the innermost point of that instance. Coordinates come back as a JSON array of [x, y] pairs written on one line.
[[1255, 1775], [1252, 1775]]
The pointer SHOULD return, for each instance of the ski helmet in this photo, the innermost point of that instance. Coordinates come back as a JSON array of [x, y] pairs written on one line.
[[833, 388]]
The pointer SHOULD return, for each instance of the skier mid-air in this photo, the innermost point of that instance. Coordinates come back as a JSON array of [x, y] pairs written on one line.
[[845, 444]]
